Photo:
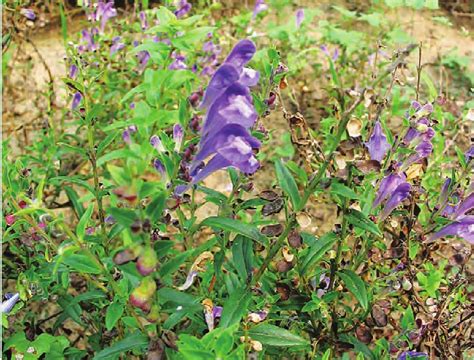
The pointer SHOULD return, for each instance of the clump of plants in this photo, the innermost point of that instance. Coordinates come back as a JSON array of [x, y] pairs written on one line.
[[118, 242]]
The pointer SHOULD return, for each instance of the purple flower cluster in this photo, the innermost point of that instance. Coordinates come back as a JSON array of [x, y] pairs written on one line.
[[230, 114], [394, 188]]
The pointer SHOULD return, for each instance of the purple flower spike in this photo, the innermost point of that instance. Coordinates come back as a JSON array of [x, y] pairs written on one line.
[[178, 134], [406, 355], [8, 304], [400, 194], [183, 8], [378, 144], [462, 227], [259, 7], [73, 71], [387, 186], [76, 100], [157, 144], [28, 13], [299, 17]]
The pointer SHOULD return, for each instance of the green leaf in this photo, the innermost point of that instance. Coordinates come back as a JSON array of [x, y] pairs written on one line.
[[124, 217], [74, 199], [82, 263], [155, 208], [116, 154], [242, 256], [343, 191], [358, 219], [272, 335], [236, 226], [287, 183], [235, 307], [113, 314], [356, 286], [317, 251], [132, 341], [81, 226]]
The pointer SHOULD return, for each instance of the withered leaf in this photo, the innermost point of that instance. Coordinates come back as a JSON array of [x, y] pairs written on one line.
[[272, 230]]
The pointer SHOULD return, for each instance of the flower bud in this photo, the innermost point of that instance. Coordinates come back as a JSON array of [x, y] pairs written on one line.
[[10, 219], [147, 261], [294, 239], [141, 296], [154, 314]]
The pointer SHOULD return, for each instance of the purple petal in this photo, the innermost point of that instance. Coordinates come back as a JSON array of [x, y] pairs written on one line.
[[158, 165], [76, 100], [463, 227], [143, 20], [233, 107], [387, 186], [259, 7], [28, 13], [466, 205], [156, 143], [299, 17], [443, 196], [184, 8], [249, 77], [225, 76], [217, 311], [73, 71], [400, 194], [8, 305], [241, 54], [178, 134], [126, 136], [378, 144]]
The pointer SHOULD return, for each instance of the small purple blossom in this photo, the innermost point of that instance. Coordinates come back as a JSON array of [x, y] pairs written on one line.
[[158, 165], [73, 71], [299, 17], [105, 11], [323, 285], [401, 193], [406, 355], [178, 135], [183, 8], [109, 219], [462, 227], [28, 13], [76, 100], [88, 43], [155, 141], [9, 303], [470, 154], [116, 45], [259, 7], [325, 50], [422, 150], [126, 135], [377, 144], [143, 20], [143, 58], [178, 63], [387, 187], [465, 206]]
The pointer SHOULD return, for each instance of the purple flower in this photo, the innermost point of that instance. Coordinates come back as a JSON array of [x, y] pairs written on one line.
[[377, 144], [105, 11], [73, 71], [422, 150], [155, 141], [470, 154], [28, 13], [462, 227], [88, 43], [387, 187], [158, 165], [406, 355], [178, 134], [217, 311], [183, 8], [143, 58], [232, 71], [401, 193], [211, 313], [9, 303], [323, 285], [465, 206], [143, 20], [109, 220], [76, 100], [299, 17], [116, 45], [325, 50], [178, 63], [443, 196], [127, 132], [258, 8], [189, 280]]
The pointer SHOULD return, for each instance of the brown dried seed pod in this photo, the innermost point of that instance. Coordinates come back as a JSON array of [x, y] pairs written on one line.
[[272, 230], [272, 208], [268, 195], [284, 291], [379, 316], [364, 334], [294, 239], [283, 266]]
